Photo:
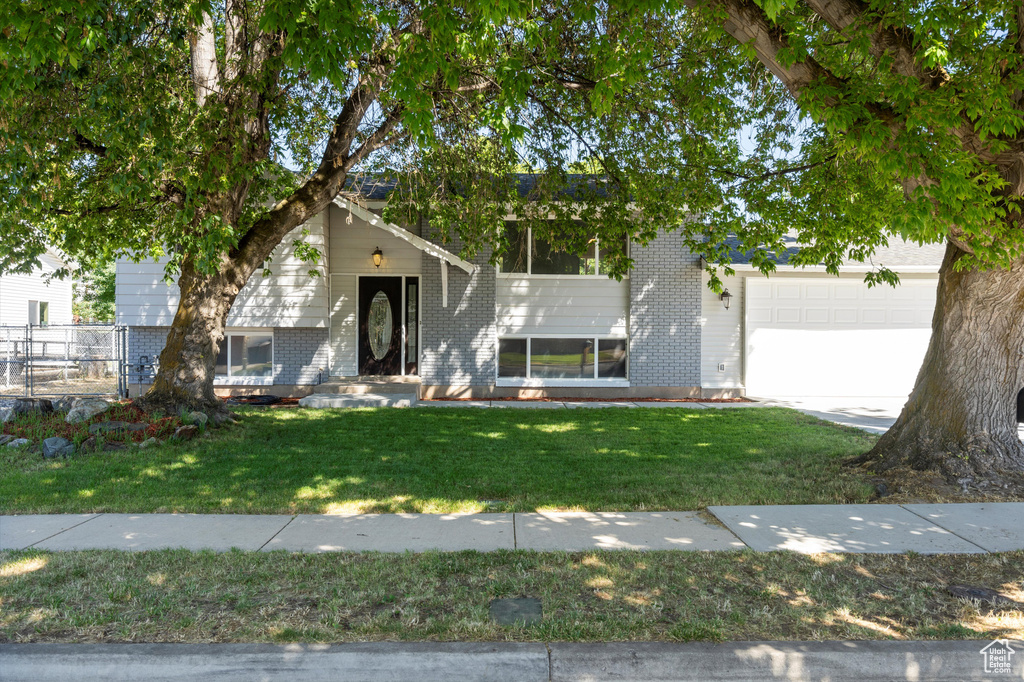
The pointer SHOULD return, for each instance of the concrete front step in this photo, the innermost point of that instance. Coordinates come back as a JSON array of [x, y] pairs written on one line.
[[375, 385], [321, 400]]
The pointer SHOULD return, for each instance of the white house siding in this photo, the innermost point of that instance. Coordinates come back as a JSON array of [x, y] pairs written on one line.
[[288, 297], [344, 326], [352, 241], [17, 290], [831, 336], [722, 336], [562, 306]]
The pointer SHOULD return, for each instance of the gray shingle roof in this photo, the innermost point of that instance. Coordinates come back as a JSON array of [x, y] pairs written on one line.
[[898, 253]]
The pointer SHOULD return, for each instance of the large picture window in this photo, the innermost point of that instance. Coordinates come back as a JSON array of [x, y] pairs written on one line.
[[246, 357], [577, 358], [529, 254]]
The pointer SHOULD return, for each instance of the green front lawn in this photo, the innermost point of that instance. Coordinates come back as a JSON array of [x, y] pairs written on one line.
[[448, 460], [182, 596]]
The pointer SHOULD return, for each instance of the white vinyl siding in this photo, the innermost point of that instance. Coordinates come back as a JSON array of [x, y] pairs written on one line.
[[562, 306], [352, 244], [344, 325], [17, 290], [288, 297], [721, 338], [835, 337]]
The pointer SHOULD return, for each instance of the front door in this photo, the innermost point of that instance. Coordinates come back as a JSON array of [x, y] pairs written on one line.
[[380, 325]]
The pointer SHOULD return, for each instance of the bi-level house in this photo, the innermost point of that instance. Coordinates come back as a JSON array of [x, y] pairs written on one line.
[[389, 301]]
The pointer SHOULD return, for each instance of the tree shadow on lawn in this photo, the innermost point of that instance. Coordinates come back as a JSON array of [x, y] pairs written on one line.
[[337, 461]]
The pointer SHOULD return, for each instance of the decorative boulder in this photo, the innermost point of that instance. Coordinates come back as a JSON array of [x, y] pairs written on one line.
[[5, 439], [6, 414], [149, 443], [38, 406], [86, 409], [187, 432], [19, 443], [57, 447], [64, 404], [198, 418]]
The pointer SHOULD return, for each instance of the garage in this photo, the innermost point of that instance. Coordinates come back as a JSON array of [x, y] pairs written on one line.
[[835, 336]]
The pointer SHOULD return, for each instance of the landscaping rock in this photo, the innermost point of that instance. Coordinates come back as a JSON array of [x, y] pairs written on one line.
[[57, 447], [149, 443], [113, 447], [198, 418], [86, 409], [6, 414], [221, 418], [187, 432], [89, 444], [38, 406], [115, 427], [5, 439], [19, 443], [64, 404]]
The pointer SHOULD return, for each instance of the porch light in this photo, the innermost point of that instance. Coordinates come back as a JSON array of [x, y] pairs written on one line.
[[726, 298], [378, 256]]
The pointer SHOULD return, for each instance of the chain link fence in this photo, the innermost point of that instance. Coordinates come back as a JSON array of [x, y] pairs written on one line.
[[58, 360]]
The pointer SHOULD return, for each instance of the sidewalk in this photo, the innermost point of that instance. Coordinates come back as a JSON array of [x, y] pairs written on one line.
[[858, 528]]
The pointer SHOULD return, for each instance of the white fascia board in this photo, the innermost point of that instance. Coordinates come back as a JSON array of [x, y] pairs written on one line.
[[417, 241], [741, 268]]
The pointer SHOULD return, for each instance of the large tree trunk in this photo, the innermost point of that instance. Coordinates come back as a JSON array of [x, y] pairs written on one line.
[[961, 418], [184, 379]]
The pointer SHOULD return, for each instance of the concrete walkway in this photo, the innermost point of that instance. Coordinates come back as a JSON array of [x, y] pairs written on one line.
[[877, 528], [492, 661]]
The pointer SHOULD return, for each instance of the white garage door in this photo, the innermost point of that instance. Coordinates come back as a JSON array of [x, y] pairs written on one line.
[[816, 337]]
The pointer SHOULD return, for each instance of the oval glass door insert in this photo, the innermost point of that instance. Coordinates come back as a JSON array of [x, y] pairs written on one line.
[[379, 325]]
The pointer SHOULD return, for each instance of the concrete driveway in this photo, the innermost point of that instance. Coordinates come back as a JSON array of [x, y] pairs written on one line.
[[875, 414]]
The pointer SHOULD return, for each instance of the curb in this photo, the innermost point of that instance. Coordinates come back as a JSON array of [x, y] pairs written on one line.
[[929, 661]]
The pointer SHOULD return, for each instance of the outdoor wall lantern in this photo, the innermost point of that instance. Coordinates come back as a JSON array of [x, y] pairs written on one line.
[[378, 257], [726, 298]]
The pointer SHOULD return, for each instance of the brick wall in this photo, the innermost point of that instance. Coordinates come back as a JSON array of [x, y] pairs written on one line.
[[665, 310], [299, 352], [458, 342]]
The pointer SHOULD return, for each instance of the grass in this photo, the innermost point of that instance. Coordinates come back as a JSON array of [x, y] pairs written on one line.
[[181, 596], [442, 461], [282, 461]]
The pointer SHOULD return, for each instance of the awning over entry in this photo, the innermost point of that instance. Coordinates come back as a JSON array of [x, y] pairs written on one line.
[[429, 248]]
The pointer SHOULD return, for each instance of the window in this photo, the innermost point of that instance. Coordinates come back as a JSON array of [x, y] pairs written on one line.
[[532, 255], [562, 358], [38, 312], [247, 356]]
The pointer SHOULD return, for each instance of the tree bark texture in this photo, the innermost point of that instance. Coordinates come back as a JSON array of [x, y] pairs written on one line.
[[184, 378], [961, 418]]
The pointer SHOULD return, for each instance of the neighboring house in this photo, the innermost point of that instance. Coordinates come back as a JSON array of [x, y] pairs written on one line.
[[548, 324], [31, 299]]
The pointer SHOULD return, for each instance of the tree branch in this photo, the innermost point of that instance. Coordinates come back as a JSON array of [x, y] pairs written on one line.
[[87, 145], [203, 56]]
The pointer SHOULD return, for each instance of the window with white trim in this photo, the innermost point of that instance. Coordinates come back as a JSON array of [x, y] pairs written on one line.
[[38, 312], [529, 254], [562, 358], [246, 356]]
